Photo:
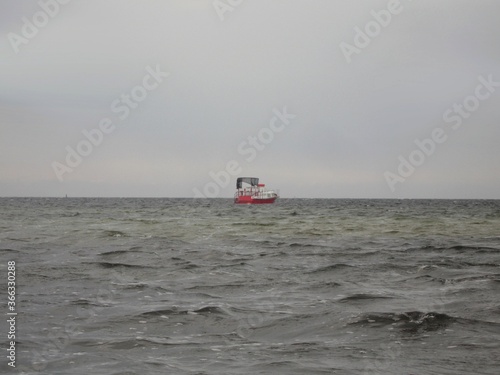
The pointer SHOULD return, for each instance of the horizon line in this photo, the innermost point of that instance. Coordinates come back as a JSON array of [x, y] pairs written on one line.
[[204, 198]]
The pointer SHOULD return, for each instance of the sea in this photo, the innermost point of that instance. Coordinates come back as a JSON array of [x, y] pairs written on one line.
[[125, 286]]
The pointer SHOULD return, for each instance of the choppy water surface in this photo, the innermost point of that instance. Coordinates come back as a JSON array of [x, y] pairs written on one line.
[[183, 286]]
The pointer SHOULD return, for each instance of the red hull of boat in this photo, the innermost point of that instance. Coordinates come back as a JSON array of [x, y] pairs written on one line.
[[246, 199]]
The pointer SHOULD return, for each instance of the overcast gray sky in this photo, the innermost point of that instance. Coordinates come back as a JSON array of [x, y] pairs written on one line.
[[363, 87]]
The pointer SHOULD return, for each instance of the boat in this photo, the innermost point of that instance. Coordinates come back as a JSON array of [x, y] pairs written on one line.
[[253, 192]]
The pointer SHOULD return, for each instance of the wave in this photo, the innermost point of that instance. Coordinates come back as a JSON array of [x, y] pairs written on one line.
[[164, 312], [114, 233], [321, 284], [413, 322], [135, 286], [85, 302], [302, 245], [475, 248], [114, 252], [457, 248], [444, 276], [141, 341], [208, 310], [126, 344], [18, 239], [117, 265], [270, 243], [9, 250], [492, 277], [416, 322], [216, 286], [363, 296], [254, 224], [205, 310], [331, 267]]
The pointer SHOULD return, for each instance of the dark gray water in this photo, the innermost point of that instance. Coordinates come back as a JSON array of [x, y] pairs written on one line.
[[182, 286]]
